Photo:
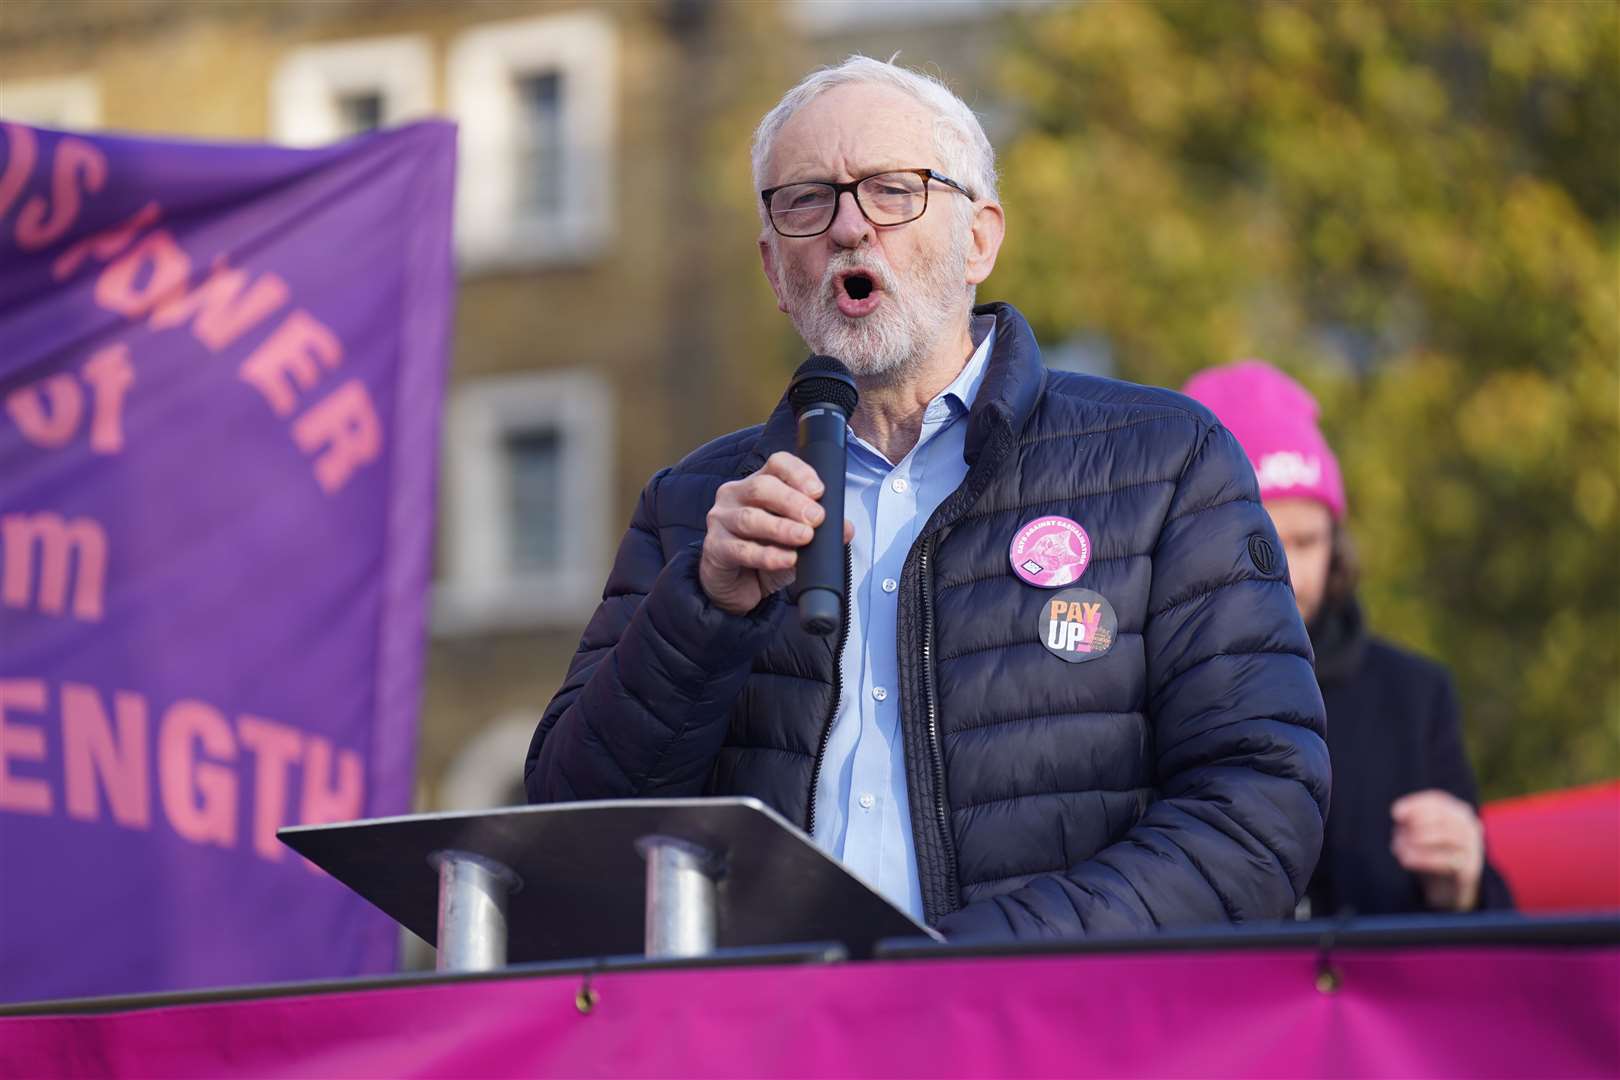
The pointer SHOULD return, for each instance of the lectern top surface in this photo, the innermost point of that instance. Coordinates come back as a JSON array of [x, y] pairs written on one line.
[[582, 881]]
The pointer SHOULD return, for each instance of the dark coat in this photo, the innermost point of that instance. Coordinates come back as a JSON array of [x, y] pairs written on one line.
[[1181, 778], [1392, 730]]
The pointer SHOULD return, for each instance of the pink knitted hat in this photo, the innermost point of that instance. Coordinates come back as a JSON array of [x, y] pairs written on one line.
[[1275, 419]]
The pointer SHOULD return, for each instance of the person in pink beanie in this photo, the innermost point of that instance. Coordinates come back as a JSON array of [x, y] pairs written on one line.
[[1403, 833]]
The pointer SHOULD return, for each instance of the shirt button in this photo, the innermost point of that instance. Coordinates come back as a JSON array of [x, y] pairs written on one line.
[[867, 802], [899, 483], [879, 693], [889, 584]]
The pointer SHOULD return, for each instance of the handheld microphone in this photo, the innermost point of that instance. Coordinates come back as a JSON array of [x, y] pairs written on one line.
[[823, 397]]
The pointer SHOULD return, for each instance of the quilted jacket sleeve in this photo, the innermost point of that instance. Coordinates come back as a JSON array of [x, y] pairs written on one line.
[[1242, 773], [643, 708]]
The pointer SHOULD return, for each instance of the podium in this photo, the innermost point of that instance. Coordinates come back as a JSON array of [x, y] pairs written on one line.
[[665, 878]]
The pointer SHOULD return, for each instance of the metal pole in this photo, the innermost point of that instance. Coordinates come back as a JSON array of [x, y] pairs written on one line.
[[473, 891], [681, 900]]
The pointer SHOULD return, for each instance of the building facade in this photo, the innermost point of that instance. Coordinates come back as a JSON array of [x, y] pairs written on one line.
[[610, 313]]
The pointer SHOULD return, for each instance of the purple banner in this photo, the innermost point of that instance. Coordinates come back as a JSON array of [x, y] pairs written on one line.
[[1493, 1011], [221, 370]]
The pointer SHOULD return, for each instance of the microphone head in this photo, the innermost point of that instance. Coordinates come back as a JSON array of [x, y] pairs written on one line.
[[823, 380]]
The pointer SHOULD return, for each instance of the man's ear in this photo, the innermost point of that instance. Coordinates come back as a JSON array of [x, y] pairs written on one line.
[[989, 228], [767, 259]]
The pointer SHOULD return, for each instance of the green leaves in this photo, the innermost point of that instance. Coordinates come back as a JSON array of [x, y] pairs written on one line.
[[1415, 208]]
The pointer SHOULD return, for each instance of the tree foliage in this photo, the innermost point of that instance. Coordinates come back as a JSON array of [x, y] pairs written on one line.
[[1415, 207]]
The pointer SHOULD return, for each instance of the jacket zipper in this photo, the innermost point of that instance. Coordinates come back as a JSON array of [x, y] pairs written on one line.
[[838, 695], [931, 711]]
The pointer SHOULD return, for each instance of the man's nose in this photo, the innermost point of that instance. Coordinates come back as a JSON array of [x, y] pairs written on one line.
[[849, 228]]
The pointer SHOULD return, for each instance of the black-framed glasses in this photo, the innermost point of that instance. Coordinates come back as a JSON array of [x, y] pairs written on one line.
[[886, 198]]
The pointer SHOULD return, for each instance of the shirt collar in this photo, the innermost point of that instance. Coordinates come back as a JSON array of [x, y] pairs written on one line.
[[958, 397]]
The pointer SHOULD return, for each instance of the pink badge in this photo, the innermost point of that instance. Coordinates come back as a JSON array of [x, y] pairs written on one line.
[[1050, 552]]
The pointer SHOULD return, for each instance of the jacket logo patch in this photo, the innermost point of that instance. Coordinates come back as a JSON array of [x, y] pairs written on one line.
[[1263, 555], [1077, 625], [1050, 552]]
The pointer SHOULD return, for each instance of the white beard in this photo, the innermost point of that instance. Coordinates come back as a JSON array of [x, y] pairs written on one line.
[[896, 338]]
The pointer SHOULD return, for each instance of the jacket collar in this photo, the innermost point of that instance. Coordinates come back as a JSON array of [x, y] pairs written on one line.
[[1007, 398], [1339, 640]]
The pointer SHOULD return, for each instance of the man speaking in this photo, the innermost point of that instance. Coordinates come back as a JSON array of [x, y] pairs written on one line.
[[1070, 692]]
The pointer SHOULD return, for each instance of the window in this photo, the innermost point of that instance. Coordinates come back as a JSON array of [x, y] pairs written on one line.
[[528, 502], [321, 93], [539, 144], [488, 772], [535, 99], [359, 112], [72, 102], [534, 477]]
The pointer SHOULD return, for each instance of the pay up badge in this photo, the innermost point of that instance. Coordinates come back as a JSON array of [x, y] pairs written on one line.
[[1077, 625]]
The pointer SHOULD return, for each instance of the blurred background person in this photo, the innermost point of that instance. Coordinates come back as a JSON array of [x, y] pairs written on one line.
[[1403, 830]]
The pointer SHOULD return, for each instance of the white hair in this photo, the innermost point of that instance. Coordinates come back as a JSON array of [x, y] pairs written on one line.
[[965, 153]]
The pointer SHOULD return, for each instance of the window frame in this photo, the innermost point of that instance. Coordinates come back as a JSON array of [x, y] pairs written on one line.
[[479, 589], [75, 101], [311, 79], [486, 764], [484, 65]]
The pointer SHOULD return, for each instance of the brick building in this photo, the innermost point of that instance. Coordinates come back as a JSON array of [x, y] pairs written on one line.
[[611, 313]]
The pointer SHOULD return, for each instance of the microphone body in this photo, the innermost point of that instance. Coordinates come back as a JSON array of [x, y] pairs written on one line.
[[823, 397], [821, 562]]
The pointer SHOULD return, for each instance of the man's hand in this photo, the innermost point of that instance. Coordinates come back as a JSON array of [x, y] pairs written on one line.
[[756, 527], [1439, 838]]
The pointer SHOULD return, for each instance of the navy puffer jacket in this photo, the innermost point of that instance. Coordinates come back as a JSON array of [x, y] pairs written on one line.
[[1181, 778]]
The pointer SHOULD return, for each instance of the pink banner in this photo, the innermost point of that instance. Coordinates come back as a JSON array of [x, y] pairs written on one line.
[[1458, 1011]]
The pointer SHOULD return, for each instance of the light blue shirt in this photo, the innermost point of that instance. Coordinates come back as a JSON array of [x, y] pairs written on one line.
[[862, 815]]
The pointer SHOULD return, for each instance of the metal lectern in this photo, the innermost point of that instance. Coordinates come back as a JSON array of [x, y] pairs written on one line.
[[659, 877]]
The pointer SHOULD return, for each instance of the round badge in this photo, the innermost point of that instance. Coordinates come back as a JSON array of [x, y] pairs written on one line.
[[1050, 552], [1077, 625]]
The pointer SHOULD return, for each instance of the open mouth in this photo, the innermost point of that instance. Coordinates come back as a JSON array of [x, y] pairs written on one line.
[[857, 295]]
